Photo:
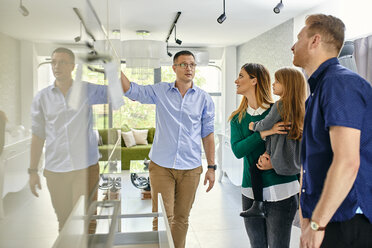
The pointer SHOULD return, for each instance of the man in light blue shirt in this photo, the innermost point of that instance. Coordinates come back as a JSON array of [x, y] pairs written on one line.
[[184, 118]]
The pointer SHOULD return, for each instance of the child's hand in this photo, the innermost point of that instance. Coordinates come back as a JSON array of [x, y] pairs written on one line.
[[264, 162], [251, 126], [281, 127]]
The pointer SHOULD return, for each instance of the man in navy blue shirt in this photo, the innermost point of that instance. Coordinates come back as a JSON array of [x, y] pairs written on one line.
[[336, 191]]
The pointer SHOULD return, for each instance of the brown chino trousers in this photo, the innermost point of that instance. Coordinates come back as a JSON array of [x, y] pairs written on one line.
[[177, 188], [65, 189]]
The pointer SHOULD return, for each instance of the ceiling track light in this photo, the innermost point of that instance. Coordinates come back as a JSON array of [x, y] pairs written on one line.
[[222, 17], [87, 31], [169, 54], [179, 42], [278, 7], [78, 38], [22, 9]]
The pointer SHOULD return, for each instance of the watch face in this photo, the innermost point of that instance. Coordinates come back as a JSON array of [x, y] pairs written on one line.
[[314, 226]]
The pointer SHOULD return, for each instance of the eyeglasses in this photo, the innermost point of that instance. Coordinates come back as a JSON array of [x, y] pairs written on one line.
[[184, 65], [60, 63]]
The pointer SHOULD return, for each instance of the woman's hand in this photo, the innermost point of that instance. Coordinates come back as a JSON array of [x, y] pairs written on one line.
[[264, 162], [278, 128], [281, 128]]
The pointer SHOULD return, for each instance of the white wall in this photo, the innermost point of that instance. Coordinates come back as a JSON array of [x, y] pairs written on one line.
[[17, 79], [229, 74], [355, 14], [28, 80], [271, 49], [10, 79]]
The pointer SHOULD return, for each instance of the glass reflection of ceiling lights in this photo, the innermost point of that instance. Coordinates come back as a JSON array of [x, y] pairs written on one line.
[[143, 55]]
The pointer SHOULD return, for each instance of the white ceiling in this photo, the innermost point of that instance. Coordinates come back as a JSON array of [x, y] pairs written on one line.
[[55, 20]]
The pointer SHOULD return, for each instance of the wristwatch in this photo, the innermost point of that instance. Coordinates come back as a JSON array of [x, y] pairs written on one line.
[[212, 167], [315, 226]]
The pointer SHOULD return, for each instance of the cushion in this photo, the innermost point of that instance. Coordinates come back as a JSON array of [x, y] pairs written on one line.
[[124, 128], [150, 136], [140, 136], [109, 136], [100, 142], [99, 138], [128, 139], [112, 136]]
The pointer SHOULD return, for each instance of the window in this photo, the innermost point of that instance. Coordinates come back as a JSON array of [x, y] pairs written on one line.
[[207, 78], [135, 114]]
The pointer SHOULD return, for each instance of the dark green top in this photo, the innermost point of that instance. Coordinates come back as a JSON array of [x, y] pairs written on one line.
[[248, 144]]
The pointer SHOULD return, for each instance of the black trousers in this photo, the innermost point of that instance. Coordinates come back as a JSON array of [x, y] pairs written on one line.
[[353, 233]]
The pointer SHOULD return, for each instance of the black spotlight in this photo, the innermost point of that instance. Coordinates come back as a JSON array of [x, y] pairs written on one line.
[[222, 17], [278, 7], [169, 54], [78, 38], [179, 42]]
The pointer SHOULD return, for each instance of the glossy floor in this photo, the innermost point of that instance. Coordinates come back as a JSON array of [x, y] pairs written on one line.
[[214, 221]]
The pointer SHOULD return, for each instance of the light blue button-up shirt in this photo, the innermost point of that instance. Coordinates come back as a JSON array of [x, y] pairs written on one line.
[[70, 143], [181, 123]]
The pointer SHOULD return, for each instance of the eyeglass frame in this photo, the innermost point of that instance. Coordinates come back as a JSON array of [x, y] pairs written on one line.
[[185, 65]]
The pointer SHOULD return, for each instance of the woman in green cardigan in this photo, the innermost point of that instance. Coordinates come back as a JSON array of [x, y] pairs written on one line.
[[279, 192]]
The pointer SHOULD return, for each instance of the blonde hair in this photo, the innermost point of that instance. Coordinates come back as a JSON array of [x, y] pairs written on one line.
[[262, 91], [292, 107], [331, 28]]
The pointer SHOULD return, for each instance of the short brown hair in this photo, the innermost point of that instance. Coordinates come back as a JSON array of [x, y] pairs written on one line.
[[65, 50], [331, 28], [184, 52]]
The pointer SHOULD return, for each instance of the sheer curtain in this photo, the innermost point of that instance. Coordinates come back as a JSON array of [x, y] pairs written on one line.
[[363, 57]]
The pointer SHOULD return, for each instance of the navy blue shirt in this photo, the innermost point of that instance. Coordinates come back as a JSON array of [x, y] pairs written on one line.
[[339, 97]]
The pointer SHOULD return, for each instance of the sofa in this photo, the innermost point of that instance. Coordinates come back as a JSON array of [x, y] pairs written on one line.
[[108, 139]]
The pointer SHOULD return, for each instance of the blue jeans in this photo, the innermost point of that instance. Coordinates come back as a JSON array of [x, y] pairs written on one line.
[[275, 230]]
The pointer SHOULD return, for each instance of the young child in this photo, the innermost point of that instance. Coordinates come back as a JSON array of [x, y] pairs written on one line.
[[284, 149]]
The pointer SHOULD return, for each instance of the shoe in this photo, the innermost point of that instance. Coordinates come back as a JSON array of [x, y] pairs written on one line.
[[257, 210]]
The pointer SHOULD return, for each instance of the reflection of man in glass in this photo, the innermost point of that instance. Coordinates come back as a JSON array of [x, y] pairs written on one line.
[[71, 153]]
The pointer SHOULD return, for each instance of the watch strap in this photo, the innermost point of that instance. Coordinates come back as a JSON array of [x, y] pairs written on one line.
[[212, 167]]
